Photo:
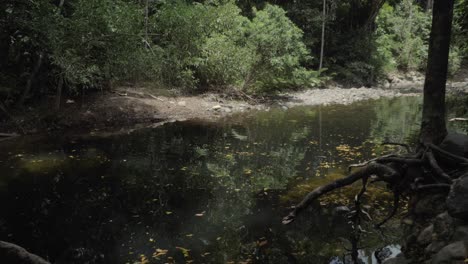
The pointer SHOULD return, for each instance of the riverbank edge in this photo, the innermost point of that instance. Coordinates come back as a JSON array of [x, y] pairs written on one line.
[[129, 108]]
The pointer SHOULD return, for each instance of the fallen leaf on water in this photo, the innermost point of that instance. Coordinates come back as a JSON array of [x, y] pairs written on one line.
[[160, 252]]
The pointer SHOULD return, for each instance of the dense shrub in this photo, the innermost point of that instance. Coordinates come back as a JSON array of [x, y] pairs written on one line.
[[212, 44], [403, 38]]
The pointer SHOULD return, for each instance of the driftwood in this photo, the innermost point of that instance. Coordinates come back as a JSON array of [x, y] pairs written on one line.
[[14, 254], [7, 136]]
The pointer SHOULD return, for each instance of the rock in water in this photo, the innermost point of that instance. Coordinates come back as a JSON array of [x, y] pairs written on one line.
[[457, 199], [456, 143]]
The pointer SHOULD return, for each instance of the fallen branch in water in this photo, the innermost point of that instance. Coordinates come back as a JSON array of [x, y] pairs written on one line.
[[383, 172], [392, 170]]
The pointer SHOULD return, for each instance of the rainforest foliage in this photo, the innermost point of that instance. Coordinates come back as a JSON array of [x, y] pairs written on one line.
[[248, 45]]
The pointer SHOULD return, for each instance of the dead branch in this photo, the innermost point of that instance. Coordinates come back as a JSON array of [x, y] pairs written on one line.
[[360, 165], [356, 220], [458, 119], [409, 161], [396, 202], [383, 171]]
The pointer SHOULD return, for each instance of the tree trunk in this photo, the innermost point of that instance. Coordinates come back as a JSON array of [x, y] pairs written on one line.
[[58, 97], [322, 45], [433, 129]]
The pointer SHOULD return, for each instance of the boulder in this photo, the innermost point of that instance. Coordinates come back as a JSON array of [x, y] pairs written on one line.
[[456, 143], [443, 227], [457, 199], [11, 253], [451, 254]]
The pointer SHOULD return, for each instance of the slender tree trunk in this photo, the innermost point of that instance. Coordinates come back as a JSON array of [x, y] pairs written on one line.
[[322, 45], [28, 86], [433, 127], [58, 97], [36, 68], [146, 20]]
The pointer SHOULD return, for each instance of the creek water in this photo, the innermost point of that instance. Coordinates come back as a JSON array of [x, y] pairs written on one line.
[[205, 192]]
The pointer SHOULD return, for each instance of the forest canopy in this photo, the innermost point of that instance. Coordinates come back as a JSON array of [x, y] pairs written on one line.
[[253, 46]]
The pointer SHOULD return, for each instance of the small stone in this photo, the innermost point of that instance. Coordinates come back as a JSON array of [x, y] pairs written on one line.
[[182, 103], [461, 233], [216, 107], [451, 253]]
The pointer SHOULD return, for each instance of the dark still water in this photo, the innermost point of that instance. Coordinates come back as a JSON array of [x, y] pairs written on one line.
[[197, 192]]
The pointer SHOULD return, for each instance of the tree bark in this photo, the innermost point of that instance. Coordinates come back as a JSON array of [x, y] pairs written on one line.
[[433, 129]]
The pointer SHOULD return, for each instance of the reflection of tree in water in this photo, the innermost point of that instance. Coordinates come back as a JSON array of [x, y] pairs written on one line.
[[396, 120]]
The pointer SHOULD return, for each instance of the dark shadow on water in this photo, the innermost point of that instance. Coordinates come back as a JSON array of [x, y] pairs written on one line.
[[201, 192]]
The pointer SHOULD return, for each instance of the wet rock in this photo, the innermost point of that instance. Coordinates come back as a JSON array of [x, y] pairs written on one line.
[[430, 205], [461, 233], [443, 226], [382, 254], [457, 199], [434, 247], [456, 143], [425, 237], [451, 253]]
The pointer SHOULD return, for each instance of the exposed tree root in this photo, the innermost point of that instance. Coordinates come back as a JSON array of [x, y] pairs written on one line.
[[462, 160], [384, 172], [396, 202], [436, 168], [391, 169]]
